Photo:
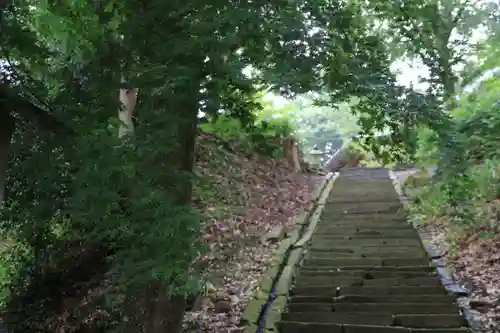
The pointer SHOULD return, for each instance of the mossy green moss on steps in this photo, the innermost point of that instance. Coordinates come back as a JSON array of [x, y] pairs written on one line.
[[283, 265]]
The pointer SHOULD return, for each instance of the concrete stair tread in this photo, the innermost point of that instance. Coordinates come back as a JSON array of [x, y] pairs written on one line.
[[337, 215], [368, 274], [396, 209], [355, 236], [379, 319], [398, 308], [340, 318], [450, 299], [368, 227], [400, 262], [384, 308], [374, 231], [300, 327], [402, 269], [432, 298], [360, 281], [357, 222], [325, 244], [366, 270], [367, 290], [367, 252], [387, 255]]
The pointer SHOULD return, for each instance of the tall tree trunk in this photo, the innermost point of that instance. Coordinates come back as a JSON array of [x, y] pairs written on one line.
[[166, 313], [150, 309], [7, 126], [295, 157], [291, 152], [128, 101]]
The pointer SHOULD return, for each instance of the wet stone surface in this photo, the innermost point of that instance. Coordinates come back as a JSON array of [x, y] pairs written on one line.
[[366, 269]]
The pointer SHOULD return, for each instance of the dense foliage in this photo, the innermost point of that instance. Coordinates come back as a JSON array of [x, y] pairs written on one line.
[[100, 106], [100, 103], [470, 196], [264, 132]]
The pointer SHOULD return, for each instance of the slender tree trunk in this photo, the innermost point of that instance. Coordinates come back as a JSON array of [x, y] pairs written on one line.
[[7, 126], [166, 313], [150, 309], [291, 153], [128, 101], [295, 156]]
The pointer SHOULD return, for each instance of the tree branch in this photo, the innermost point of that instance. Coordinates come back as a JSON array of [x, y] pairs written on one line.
[[460, 12], [10, 101]]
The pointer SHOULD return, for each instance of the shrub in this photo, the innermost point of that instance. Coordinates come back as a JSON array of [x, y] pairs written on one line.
[[465, 194], [264, 136], [81, 242]]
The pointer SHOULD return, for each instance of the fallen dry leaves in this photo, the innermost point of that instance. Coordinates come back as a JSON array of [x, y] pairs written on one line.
[[478, 264], [476, 260], [251, 196]]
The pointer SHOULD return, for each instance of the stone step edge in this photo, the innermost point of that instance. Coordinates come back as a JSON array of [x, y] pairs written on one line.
[[381, 319], [271, 294], [334, 305], [352, 328], [446, 273]]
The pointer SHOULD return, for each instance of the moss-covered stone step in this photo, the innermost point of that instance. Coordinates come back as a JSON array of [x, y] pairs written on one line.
[[340, 318], [352, 247], [392, 308], [365, 202], [349, 195], [310, 307], [397, 308], [379, 329], [450, 299], [370, 227], [367, 273], [298, 327], [389, 234], [349, 226], [330, 284], [363, 209], [360, 281], [373, 231], [353, 184], [379, 319], [378, 218], [365, 262], [365, 269], [367, 220], [329, 243], [373, 270], [376, 197], [394, 290], [430, 320], [311, 299], [344, 190], [335, 291], [362, 254]]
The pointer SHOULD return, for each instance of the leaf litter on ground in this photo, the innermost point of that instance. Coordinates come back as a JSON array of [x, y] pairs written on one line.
[[246, 198], [476, 259]]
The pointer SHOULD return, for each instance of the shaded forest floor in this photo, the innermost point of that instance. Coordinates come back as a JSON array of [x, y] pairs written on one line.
[[476, 260], [475, 257], [247, 199]]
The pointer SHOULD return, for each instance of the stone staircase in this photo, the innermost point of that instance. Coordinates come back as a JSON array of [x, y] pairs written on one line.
[[366, 270]]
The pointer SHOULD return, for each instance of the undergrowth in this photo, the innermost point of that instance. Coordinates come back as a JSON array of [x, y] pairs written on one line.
[[264, 135], [463, 197]]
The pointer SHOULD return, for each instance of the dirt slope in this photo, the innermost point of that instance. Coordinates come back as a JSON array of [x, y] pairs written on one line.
[[245, 198]]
